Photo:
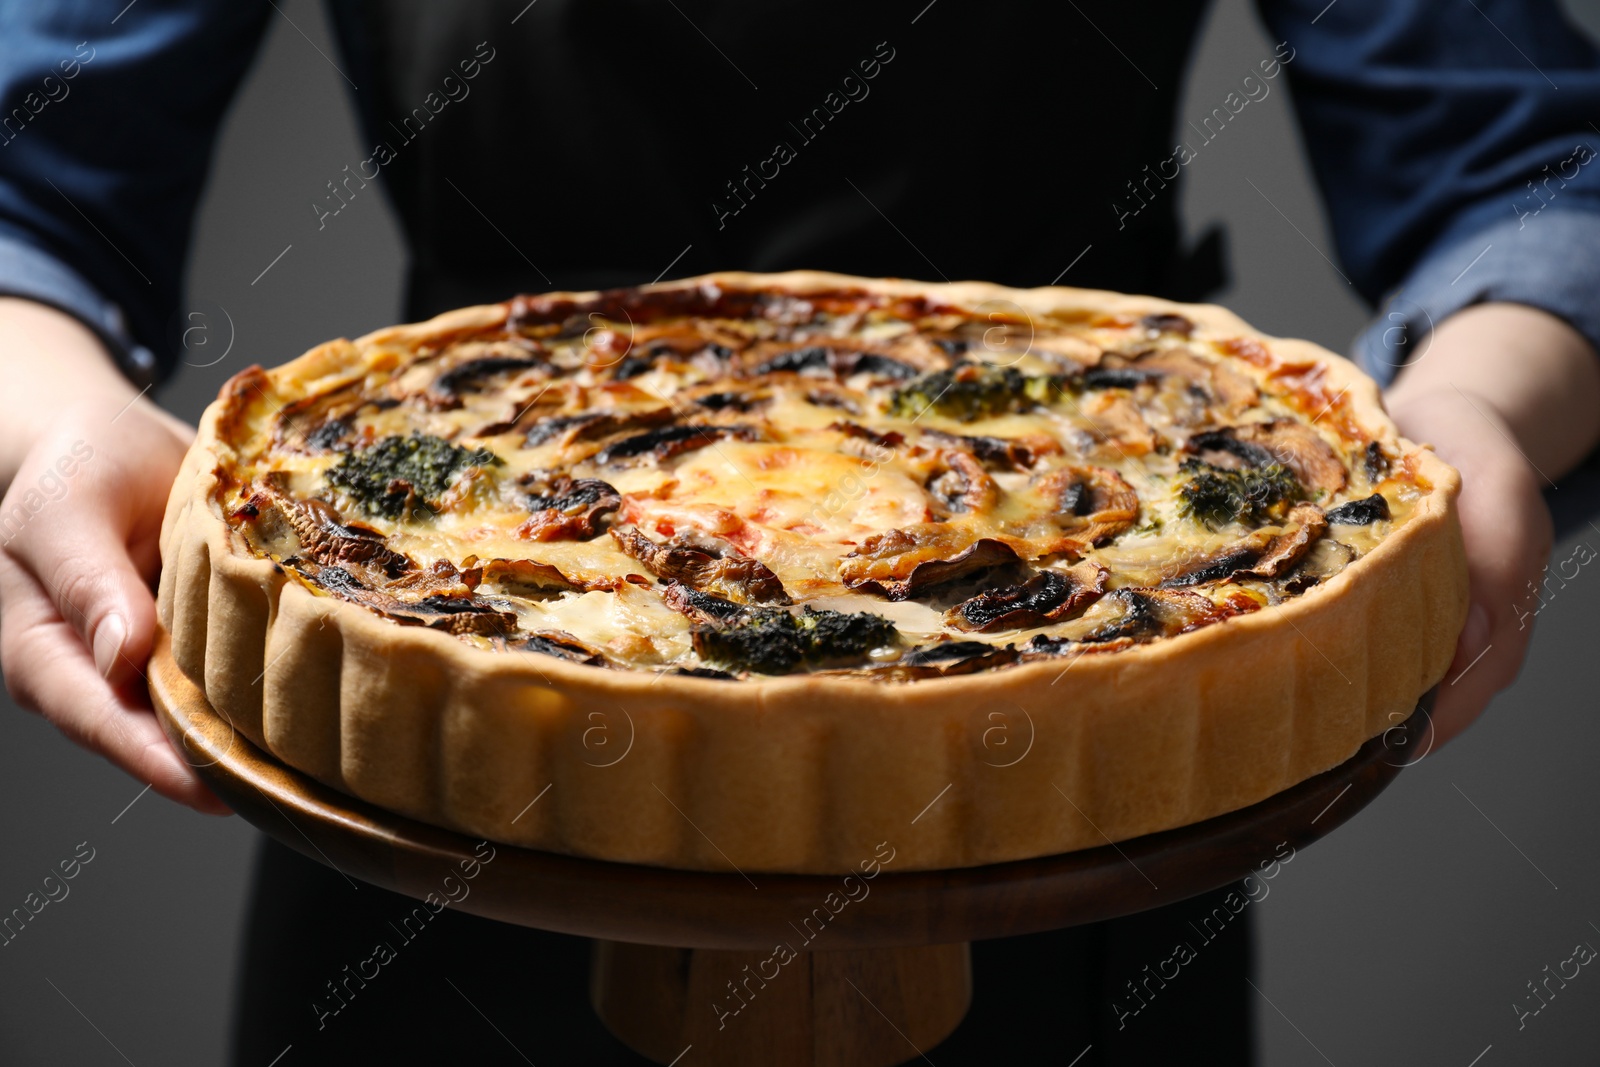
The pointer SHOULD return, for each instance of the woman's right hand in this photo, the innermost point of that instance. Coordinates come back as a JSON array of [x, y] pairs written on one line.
[[79, 557]]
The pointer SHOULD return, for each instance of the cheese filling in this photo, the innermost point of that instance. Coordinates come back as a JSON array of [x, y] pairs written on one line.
[[853, 484]]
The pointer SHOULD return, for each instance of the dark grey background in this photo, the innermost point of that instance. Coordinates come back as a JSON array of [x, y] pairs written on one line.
[[1403, 939]]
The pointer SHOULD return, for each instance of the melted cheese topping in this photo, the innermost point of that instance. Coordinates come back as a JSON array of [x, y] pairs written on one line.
[[927, 469]]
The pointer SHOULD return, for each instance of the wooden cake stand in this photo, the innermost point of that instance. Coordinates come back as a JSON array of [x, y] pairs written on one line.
[[671, 943]]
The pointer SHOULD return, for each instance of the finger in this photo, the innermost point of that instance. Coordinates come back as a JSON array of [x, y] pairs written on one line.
[[47, 669], [80, 557], [1506, 556]]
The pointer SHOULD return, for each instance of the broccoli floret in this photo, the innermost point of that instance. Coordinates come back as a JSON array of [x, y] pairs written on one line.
[[773, 641], [968, 392], [768, 642], [1213, 496], [395, 475], [839, 634]]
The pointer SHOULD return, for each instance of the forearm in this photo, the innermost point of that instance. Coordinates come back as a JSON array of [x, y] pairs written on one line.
[[49, 362], [1521, 366]]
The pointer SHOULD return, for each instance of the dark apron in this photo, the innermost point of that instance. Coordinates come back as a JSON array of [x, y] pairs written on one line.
[[605, 137], [609, 142]]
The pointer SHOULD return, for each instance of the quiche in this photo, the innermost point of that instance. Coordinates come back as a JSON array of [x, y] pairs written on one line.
[[758, 571]]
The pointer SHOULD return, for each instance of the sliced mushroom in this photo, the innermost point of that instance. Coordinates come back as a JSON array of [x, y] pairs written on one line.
[[453, 614], [323, 535], [949, 658], [1112, 372], [701, 606], [1293, 444], [1118, 423], [1376, 462], [823, 359], [808, 359], [668, 441], [1325, 559], [530, 578], [1168, 323], [1261, 554], [706, 563], [1373, 509], [1148, 613], [445, 391], [741, 400], [882, 367], [1090, 504], [560, 644], [442, 578], [1226, 451], [591, 425], [910, 560], [1000, 453], [960, 484], [564, 508], [1306, 523], [1225, 386], [891, 439], [1048, 596]]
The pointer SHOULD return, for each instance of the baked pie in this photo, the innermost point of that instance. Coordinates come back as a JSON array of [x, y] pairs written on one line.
[[748, 569]]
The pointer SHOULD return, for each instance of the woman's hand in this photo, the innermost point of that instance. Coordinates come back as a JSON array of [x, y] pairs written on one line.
[[1510, 397], [1507, 531], [79, 556]]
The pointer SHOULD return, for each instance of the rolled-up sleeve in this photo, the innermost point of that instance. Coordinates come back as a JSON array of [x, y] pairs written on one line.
[[108, 115], [1453, 145]]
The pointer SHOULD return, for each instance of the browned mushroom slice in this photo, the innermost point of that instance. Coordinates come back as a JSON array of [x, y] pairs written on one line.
[[1364, 512], [1091, 504], [1225, 450], [1000, 453], [960, 484], [1230, 389], [890, 439], [530, 578], [1261, 554], [560, 644], [442, 578], [1048, 596], [949, 658], [1168, 323], [322, 533], [300, 422], [715, 398], [591, 425], [564, 508], [1298, 447], [1113, 372], [1119, 425], [1141, 614], [453, 614], [700, 606], [705, 563], [910, 560], [445, 391], [667, 441], [825, 359], [1306, 523]]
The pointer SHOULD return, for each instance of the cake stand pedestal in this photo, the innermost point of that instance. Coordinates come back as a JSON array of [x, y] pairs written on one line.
[[687, 968]]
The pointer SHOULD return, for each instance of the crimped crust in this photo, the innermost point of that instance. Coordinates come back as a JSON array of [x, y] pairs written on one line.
[[809, 773]]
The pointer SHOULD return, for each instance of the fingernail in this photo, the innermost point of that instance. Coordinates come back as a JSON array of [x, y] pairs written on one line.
[[1475, 636], [108, 644]]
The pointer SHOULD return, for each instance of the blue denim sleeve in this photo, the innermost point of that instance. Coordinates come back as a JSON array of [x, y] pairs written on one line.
[[1454, 149], [108, 113]]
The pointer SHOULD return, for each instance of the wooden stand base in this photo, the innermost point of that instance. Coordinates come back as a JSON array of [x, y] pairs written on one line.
[[890, 977], [853, 1008]]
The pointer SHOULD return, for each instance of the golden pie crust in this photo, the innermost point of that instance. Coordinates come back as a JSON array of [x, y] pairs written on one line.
[[809, 773]]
